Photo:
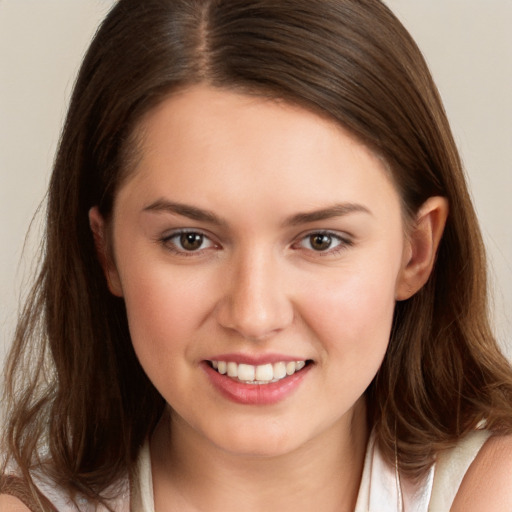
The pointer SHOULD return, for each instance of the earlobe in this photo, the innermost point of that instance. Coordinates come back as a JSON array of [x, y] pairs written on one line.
[[421, 247], [98, 228]]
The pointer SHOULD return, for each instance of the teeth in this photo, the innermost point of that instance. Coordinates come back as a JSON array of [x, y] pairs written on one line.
[[260, 374], [246, 372], [232, 370], [290, 368], [222, 367], [265, 372], [279, 370]]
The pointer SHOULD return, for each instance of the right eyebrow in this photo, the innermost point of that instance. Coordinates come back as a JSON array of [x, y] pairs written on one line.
[[185, 210]]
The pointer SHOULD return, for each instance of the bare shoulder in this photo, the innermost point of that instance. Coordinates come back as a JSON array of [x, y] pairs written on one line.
[[11, 504], [487, 484]]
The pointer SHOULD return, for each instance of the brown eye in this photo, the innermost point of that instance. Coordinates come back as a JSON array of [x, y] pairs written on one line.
[[191, 241], [188, 243], [324, 243], [320, 241]]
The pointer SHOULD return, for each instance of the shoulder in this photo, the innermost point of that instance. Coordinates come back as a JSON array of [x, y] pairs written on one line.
[[15, 496], [487, 484], [11, 504]]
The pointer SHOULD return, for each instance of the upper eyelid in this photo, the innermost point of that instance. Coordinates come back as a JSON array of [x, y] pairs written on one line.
[[165, 238], [179, 231], [344, 239], [342, 235]]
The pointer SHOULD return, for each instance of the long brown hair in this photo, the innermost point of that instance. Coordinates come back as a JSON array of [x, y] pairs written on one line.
[[74, 384]]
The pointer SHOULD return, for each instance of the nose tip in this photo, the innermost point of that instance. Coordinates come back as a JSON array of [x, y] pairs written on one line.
[[253, 320], [255, 304]]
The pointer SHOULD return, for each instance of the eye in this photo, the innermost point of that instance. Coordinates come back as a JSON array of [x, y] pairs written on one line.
[[187, 242], [320, 241], [191, 241], [324, 242]]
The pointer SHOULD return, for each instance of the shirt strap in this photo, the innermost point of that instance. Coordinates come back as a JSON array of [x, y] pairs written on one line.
[[142, 483], [451, 467]]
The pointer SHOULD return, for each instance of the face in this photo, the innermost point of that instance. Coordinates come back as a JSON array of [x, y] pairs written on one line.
[[259, 249]]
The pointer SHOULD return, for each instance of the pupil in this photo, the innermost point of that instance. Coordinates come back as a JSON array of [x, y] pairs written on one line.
[[320, 242], [191, 241]]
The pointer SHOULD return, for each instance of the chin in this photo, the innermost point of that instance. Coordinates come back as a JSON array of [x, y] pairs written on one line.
[[256, 441]]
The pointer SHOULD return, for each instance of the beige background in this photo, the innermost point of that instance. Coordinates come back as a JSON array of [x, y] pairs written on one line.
[[468, 44]]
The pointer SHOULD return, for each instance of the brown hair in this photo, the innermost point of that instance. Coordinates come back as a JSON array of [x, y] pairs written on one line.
[[73, 381]]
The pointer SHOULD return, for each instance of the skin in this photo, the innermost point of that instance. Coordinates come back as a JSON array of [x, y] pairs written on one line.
[[12, 504], [256, 286]]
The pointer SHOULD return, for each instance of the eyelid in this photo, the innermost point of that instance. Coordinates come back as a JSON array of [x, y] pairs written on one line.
[[165, 241], [345, 241]]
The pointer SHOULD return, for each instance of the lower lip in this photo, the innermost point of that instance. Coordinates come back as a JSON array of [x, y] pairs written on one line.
[[255, 394]]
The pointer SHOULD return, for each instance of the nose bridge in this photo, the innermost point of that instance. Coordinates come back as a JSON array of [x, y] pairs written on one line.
[[255, 303]]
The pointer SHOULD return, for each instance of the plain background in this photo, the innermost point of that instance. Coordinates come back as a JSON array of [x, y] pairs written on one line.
[[468, 44]]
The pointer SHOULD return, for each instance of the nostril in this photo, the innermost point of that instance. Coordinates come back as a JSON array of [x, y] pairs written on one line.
[[255, 321]]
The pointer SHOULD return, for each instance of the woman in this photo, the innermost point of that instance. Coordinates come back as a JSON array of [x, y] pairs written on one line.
[[264, 283]]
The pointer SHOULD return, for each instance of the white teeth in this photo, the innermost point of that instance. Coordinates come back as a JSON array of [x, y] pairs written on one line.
[[264, 372], [279, 370], [290, 368], [261, 374], [246, 372], [232, 370]]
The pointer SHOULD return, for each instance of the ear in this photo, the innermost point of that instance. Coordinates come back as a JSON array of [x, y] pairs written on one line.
[[421, 246], [101, 243]]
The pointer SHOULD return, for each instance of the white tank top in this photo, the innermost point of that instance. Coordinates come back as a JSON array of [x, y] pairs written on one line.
[[382, 489]]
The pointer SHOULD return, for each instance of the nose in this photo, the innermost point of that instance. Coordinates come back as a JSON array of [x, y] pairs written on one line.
[[255, 303]]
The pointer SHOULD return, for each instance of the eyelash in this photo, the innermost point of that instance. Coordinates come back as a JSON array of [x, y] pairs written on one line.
[[171, 246], [342, 242]]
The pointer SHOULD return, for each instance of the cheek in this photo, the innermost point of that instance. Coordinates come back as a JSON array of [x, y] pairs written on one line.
[[352, 326], [352, 315], [165, 313], [164, 309]]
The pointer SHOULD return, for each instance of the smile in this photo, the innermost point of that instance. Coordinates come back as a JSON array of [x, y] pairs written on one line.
[[258, 374], [266, 383]]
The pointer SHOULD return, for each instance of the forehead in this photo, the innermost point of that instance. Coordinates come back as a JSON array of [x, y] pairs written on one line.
[[206, 142]]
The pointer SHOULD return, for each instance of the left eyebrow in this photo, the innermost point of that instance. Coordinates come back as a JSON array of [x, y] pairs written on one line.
[[337, 210]]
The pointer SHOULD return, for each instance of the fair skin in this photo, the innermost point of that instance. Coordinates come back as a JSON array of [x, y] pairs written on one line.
[[295, 250], [259, 186], [12, 504]]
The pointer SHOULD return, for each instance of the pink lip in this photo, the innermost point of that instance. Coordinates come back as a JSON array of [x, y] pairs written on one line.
[[254, 360], [255, 394]]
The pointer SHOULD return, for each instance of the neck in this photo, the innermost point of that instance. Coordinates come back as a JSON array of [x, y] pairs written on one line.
[[324, 474]]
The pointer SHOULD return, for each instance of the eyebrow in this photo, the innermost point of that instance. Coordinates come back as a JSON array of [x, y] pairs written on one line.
[[337, 210], [194, 213]]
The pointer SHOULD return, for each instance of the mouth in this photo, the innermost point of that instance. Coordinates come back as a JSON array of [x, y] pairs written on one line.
[[258, 374]]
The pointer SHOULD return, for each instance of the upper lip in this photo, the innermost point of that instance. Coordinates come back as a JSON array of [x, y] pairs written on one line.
[[255, 359]]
